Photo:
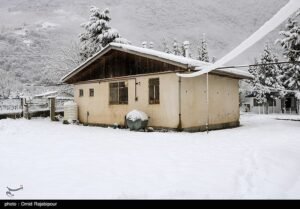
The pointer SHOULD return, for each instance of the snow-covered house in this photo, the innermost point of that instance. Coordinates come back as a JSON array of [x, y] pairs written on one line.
[[121, 78], [250, 104], [287, 105]]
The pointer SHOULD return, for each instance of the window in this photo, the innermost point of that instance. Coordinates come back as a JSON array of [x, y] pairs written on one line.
[[272, 102], [81, 92], [92, 92], [118, 93], [154, 91], [256, 103]]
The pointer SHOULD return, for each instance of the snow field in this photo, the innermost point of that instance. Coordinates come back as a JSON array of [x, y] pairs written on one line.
[[258, 160]]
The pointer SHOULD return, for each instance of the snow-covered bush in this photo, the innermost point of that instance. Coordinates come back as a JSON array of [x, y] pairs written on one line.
[[136, 115], [137, 120]]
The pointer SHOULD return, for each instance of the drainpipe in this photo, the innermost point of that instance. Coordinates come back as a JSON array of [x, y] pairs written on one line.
[[87, 117], [179, 127], [207, 103], [135, 89]]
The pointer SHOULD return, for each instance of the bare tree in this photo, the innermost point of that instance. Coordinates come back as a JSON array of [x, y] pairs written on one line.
[[8, 84], [64, 60]]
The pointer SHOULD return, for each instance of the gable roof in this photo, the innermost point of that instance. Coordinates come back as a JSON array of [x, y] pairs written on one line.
[[157, 55]]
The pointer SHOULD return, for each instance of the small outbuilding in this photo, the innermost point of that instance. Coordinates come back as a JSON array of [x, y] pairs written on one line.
[[289, 104], [121, 78]]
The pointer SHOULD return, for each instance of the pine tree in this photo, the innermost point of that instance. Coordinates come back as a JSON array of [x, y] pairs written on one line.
[[290, 44], [98, 33], [203, 51], [176, 48], [166, 47], [213, 59], [257, 89], [267, 78]]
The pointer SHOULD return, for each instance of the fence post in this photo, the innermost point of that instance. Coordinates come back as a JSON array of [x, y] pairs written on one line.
[[26, 113], [52, 108], [22, 106]]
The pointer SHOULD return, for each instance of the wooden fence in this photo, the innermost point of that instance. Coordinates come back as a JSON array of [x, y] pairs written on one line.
[[31, 107]]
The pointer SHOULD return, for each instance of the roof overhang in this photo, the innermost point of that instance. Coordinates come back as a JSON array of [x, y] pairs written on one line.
[[130, 50], [240, 74], [186, 63]]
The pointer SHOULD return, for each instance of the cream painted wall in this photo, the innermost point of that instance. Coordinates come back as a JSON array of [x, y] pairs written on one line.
[[265, 109], [163, 115], [223, 101]]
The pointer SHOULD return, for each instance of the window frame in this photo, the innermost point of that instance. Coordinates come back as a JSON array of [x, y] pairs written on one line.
[[156, 94], [272, 102], [91, 92], [81, 93], [121, 86]]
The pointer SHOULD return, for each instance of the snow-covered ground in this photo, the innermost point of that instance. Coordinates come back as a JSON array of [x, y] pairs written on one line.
[[261, 159]]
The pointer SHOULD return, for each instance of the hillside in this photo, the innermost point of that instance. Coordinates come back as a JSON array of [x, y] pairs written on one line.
[[53, 25]]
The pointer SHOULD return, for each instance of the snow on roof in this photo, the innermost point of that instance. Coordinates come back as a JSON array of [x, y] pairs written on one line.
[[49, 93], [184, 61], [231, 71], [159, 54]]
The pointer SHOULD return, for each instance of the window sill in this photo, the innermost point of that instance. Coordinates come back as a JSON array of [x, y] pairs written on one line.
[[117, 104]]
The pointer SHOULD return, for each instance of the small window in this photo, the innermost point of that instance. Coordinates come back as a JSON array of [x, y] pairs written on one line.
[[118, 93], [256, 103], [81, 92], [154, 91], [272, 102], [92, 92]]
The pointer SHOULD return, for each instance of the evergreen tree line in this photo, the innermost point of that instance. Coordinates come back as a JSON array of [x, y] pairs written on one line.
[[98, 34], [277, 80], [178, 49]]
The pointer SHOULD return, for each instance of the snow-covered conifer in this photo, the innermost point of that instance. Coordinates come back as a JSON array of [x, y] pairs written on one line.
[[166, 47], [267, 78], [98, 33], [290, 43], [176, 48], [202, 50], [213, 59]]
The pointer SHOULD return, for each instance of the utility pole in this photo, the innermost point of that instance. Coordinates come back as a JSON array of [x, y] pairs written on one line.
[[207, 103]]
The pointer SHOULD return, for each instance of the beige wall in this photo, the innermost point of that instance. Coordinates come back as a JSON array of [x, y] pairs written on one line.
[[223, 101], [261, 109], [163, 115]]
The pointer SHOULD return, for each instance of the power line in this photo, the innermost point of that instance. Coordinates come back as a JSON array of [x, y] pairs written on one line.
[[260, 64]]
